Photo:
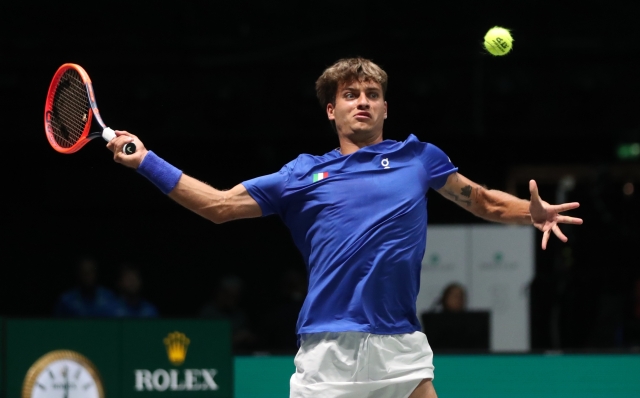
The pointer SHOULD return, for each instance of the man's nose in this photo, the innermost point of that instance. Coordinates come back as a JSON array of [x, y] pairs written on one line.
[[363, 101]]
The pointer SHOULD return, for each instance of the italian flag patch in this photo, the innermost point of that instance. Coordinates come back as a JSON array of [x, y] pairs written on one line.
[[320, 176]]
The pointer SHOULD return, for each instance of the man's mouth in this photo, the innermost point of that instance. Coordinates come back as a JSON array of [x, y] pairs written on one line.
[[363, 115]]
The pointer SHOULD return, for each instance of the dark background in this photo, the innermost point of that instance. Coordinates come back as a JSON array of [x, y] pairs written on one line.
[[225, 91]]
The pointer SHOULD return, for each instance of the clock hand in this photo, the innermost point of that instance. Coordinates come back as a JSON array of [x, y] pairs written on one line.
[[66, 385]]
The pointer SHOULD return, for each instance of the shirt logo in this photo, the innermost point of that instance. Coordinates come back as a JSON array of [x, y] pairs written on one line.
[[385, 163], [320, 176]]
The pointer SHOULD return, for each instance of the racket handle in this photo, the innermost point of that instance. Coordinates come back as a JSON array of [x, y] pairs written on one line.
[[108, 134]]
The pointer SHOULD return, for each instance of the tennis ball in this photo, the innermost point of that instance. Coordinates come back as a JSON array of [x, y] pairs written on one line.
[[498, 41]]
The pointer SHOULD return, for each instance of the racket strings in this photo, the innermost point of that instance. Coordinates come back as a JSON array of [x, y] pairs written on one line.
[[70, 109]]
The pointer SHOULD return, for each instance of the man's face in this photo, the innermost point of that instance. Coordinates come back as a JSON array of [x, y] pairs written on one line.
[[359, 108]]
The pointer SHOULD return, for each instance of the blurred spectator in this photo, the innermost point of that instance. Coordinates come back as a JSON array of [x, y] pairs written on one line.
[[453, 299], [451, 326], [129, 286], [227, 304], [88, 299], [280, 322]]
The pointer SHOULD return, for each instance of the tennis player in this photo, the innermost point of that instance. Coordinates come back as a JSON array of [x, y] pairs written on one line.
[[358, 215]]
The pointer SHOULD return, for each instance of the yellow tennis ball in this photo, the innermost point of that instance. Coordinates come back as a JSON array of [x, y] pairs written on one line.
[[498, 41]]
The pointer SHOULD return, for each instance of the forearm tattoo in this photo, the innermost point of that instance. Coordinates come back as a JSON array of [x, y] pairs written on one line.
[[465, 192]]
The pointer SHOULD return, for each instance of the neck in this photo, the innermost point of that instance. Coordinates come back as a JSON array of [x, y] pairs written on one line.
[[350, 144]]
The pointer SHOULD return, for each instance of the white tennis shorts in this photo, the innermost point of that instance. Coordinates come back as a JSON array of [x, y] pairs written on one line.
[[360, 365]]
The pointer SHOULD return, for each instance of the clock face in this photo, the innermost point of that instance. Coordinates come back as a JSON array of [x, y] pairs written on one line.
[[65, 379], [63, 374]]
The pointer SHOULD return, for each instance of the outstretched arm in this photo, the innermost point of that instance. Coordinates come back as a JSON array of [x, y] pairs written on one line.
[[489, 204], [212, 204], [204, 200], [498, 206]]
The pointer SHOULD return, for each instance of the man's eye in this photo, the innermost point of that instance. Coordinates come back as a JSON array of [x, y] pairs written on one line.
[[349, 95], [374, 95]]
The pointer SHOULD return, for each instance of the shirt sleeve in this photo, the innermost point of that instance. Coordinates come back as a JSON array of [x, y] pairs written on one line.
[[267, 190], [438, 166]]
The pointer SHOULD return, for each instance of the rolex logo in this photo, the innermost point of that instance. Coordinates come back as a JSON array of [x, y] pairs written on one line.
[[177, 344], [174, 379]]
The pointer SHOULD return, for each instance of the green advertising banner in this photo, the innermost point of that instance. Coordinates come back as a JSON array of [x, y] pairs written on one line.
[[176, 359], [49, 358], [117, 358]]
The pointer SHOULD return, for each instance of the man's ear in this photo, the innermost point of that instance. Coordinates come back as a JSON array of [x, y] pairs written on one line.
[[330, 111]]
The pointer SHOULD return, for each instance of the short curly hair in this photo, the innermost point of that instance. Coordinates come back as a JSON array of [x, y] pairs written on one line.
[[348, 70]]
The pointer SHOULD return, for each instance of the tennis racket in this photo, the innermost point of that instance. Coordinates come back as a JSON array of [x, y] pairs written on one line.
[[70, 109]]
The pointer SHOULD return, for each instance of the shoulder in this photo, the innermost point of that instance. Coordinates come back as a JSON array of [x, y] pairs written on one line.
[[305, 162], [423, 148], [300, 164], [411, 143], [305, 159], [410, 148], [415, 142]]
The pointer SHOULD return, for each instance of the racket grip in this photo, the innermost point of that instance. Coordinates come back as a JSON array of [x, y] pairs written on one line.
[[108, 134]]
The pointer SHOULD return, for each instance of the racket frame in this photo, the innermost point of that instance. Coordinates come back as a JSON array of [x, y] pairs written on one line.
[[86, 136]]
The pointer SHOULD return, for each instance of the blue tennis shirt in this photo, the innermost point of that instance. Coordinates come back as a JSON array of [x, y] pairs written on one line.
[[360, 222]]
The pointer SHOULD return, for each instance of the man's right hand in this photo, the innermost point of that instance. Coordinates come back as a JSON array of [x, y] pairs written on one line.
[[117, 144]]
